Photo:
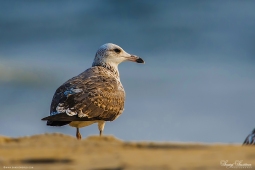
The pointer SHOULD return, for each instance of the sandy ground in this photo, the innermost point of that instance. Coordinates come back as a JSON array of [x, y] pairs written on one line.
[[58, 151]]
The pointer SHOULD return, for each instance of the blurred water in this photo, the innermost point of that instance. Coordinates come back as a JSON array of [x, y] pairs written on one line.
[[198, 83]]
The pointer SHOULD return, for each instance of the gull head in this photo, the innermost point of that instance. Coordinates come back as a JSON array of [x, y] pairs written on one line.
[[112, 54]]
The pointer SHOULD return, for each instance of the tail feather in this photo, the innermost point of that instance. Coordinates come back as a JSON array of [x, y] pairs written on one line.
[[57, 120], [57, 123], [64, 117]]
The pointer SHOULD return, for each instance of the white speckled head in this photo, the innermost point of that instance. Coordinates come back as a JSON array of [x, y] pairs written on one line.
[[112, 54]]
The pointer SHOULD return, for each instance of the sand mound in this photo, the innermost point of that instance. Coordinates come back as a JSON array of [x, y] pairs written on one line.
[[58, 151]]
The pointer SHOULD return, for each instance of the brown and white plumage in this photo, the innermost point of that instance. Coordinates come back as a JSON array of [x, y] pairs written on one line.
[[94, 96]]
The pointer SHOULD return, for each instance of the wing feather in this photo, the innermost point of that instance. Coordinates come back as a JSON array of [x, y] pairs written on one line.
[[93, 95], [250, 139]]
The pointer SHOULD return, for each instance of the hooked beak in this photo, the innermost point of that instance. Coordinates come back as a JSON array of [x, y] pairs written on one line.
[[135, 58]]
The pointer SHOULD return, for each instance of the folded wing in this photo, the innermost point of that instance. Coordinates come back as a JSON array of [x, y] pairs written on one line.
[[93, 95]]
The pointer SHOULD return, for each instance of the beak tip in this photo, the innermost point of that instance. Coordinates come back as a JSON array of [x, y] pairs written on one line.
[[140, 60]]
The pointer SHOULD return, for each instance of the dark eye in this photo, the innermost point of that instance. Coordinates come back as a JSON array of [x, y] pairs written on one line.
[[117, 50]]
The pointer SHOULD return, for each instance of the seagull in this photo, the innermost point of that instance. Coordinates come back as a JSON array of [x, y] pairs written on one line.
[[94, 96], [250, 139]]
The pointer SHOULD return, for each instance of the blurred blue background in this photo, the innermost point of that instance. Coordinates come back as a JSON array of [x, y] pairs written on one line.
[[198, 83]]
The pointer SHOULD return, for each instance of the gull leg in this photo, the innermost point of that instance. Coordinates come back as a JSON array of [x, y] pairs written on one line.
[[101, 127], [78, 135]]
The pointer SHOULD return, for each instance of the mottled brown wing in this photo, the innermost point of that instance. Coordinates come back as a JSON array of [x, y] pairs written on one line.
[[93, 95]]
